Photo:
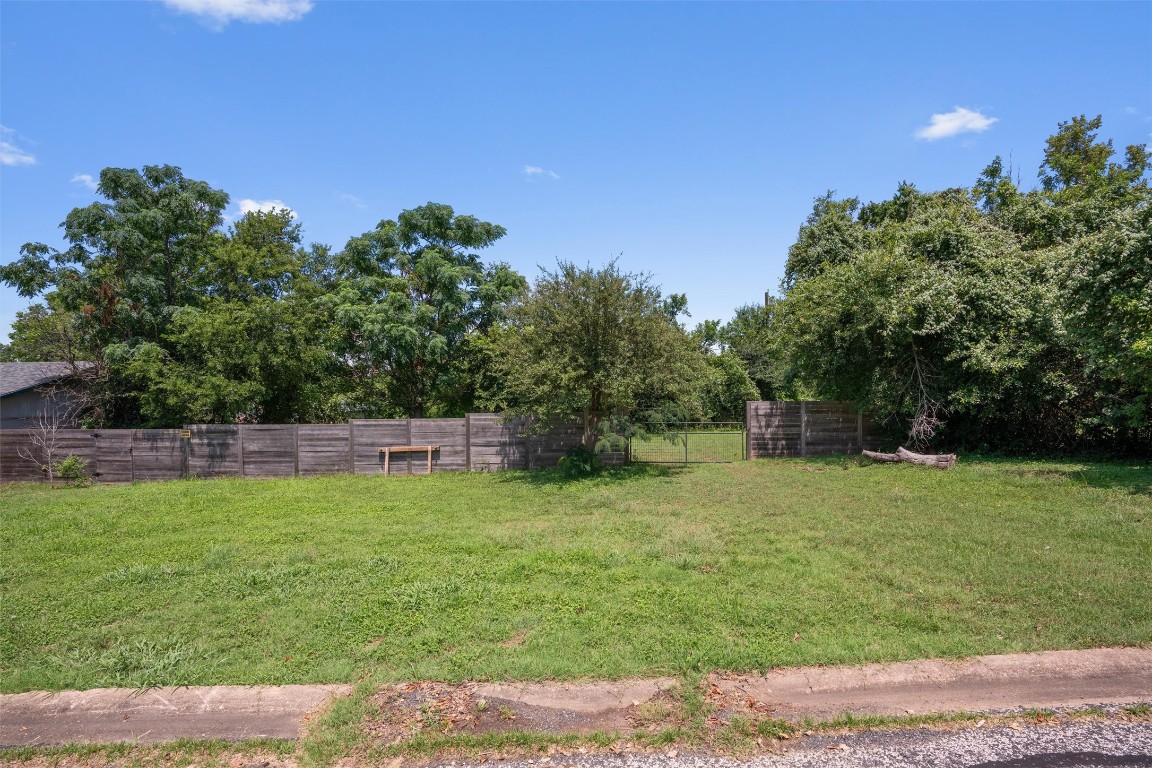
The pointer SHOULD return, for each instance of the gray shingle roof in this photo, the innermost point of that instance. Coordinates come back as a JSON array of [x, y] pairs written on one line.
[[17, 377]]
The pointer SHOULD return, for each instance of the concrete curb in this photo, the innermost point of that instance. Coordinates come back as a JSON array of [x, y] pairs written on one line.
[[984, 683], [106, 715], [235, 713]]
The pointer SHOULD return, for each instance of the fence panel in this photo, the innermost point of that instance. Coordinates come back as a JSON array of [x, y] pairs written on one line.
[[369, 436], [546, 448], [157, 454], [269, 450], [774, 429], [324, 449], [14, 468], [808, 428], [21, 460], [452, 437], [113, 456], [496, 443], [214, 450]]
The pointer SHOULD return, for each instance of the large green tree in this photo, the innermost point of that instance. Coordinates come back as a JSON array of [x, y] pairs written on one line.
[[601, 344], [750, 335], [187, 321], [255, 344], [993, 317], [726, 388], [409, 295], [41, 334], [1109, 304], [131, 260]]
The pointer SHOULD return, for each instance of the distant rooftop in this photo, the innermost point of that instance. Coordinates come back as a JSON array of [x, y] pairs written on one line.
[[17, 377]]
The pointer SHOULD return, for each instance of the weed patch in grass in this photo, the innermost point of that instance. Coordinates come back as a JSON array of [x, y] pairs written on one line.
[[140, 663]]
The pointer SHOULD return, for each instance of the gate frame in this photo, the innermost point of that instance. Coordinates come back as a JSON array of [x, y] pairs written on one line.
[[738, 428]]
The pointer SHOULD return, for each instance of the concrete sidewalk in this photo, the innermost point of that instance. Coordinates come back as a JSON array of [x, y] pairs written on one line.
[[1116, 676]]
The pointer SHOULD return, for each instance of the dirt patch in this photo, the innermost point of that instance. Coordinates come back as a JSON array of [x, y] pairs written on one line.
[[728, 700], [515, 640], [1045, 474], [403, 712]]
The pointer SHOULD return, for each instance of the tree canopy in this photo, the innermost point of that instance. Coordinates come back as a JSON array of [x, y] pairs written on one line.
[[409, 293], [991, 316], [599, 343], [192, 321]]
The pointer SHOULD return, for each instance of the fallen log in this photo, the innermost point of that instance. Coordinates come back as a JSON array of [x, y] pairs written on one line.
[[938, 460]]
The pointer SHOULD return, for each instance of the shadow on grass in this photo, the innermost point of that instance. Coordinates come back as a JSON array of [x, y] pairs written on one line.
[[1129, 477], [608, 476], [828, 462], [1133, 476]]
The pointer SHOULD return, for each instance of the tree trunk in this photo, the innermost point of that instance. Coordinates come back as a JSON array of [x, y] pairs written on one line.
[[588, 436], [939, 460]]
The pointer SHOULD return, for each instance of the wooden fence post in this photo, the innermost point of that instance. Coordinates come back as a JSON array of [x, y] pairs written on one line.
[[859, 429], [296, 442], [351, 447], [467, 442], [803, 428], [748, 429], [240, 447], [184, 441]]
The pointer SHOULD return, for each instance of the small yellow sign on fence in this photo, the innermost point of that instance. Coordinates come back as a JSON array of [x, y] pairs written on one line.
[[185, 434]]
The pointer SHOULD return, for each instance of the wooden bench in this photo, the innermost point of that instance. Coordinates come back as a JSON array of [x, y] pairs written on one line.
[[408, 449]]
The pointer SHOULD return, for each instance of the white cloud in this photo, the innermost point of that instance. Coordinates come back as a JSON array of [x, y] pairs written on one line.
[[10, 154], [534, 170], [220, 12], [959, 120], [248, 206], [85, 180], [352, 199]]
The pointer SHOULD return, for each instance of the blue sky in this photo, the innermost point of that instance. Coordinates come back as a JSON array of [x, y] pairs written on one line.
[[689, 139]]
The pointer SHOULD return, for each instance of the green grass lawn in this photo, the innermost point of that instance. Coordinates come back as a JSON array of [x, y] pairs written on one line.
[[514, 575]]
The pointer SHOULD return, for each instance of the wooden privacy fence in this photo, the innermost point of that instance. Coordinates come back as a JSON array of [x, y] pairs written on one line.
[[477, 442], [807, 428]]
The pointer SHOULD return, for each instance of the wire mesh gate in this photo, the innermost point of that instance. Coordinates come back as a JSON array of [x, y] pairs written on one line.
[[691, 443]]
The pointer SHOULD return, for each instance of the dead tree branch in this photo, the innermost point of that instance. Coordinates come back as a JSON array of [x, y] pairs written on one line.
[[938, 460]]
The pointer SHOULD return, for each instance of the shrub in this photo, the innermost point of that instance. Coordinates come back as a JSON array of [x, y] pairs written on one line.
[[580, 461], [71, 471]]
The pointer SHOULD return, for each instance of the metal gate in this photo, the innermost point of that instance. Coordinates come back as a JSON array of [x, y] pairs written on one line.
[[690, 443]]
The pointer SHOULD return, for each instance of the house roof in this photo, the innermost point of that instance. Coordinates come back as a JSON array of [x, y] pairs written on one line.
[[17, 377]]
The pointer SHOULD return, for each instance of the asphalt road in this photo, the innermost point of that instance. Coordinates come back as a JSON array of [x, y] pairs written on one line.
[[1082, 744]]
